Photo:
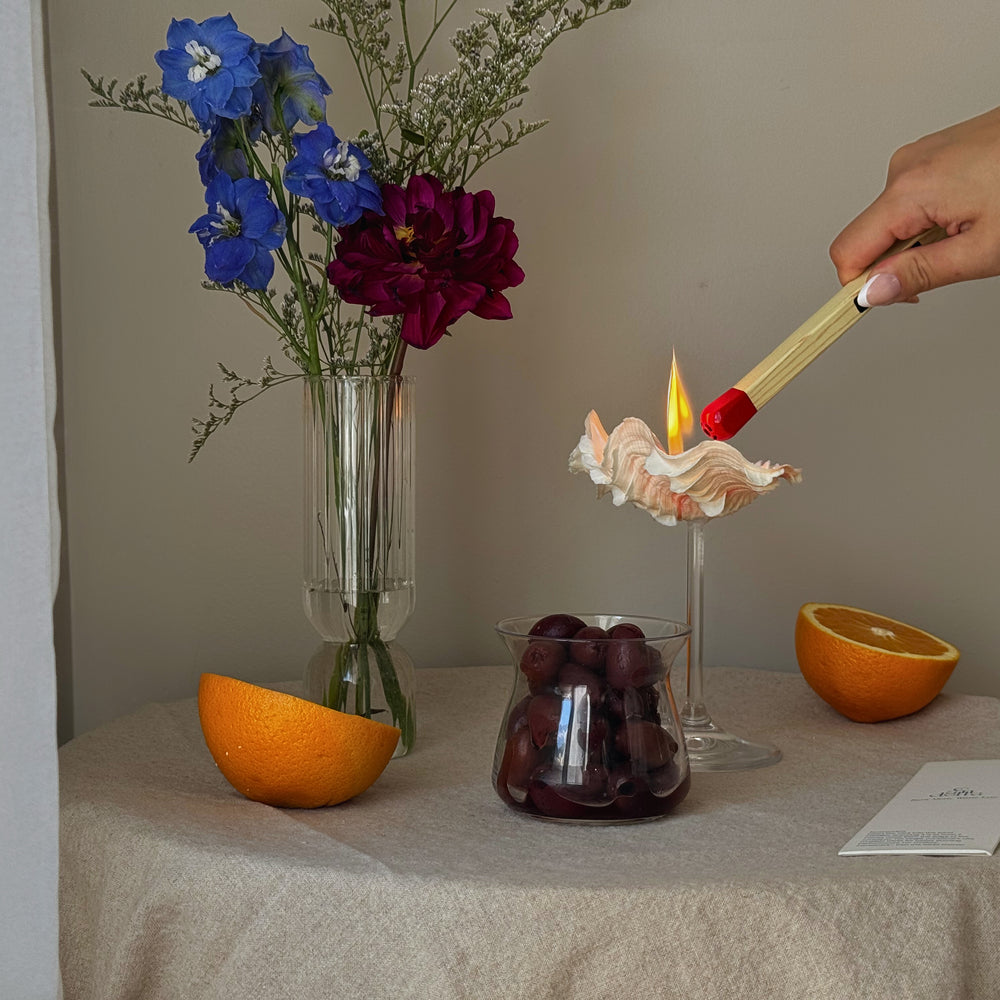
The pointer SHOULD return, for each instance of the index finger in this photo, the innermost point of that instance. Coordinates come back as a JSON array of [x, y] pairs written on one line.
[[869, 235]]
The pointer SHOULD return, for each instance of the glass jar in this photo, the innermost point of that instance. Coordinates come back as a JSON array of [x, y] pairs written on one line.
[[591, 733]]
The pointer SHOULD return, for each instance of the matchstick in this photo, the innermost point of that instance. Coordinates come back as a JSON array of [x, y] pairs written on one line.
[[722, 418]]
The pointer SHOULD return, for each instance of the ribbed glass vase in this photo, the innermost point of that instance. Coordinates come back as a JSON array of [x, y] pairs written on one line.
[[358, 586]]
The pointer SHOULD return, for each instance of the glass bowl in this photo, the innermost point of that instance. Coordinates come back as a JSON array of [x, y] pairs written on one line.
[[591, 732]]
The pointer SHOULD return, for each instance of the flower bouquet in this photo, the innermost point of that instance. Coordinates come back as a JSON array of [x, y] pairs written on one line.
[[376, 243]]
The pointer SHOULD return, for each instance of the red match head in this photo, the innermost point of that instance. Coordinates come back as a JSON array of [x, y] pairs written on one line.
[[723, 418]]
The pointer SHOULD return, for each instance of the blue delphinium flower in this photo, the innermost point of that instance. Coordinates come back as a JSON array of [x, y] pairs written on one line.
[[212, 66], [290, 84], [239, 231], [222, 151], [334, 175]]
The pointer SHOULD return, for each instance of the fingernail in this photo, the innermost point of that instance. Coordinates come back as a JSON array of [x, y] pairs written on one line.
[[879, 290]]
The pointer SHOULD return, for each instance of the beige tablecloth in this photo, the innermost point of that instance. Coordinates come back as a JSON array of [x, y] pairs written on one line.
[[428, 887]]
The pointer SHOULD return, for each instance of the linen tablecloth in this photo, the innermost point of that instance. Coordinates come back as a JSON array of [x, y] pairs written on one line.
[[428, 887]]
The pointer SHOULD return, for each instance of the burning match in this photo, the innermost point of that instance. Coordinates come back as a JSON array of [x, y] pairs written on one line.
[[725, 416]]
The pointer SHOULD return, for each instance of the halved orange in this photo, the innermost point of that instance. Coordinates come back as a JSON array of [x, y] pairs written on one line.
[[867, 666], [285, 751]]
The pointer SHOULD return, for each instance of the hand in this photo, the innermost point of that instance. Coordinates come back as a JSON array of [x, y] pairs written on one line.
[[950, 179]]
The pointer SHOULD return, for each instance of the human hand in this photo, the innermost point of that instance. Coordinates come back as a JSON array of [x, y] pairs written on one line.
[[951, 179]]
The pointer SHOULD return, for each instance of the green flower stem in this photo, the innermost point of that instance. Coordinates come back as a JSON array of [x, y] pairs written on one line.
[[137, 97], [363, 685], [325, 285], [404, 24], [364, 71], [356, 658], [264, 300], [399, 353], [292, 260], [269, 316], [438, 21], [399, 708], [409, 164], [354, 352], [336, 692]]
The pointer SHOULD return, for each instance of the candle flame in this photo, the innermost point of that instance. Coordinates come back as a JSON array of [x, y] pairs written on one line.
[[680, 420]]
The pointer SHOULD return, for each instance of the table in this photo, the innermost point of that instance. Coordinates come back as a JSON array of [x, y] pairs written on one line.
[[427, 887]]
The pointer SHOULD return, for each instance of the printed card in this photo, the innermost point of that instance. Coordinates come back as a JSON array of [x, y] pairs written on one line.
[[948, 807]]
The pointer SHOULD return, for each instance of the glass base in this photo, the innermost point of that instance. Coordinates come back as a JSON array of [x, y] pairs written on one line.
[[374, 680], [710, 748]]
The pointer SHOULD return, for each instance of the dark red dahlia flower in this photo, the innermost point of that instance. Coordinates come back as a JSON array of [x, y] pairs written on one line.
[[433, 255]]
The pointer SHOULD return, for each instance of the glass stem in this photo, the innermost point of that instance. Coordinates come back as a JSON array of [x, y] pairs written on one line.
[[694, 711]]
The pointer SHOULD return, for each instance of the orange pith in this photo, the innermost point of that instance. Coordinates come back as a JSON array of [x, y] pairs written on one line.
[[285, 751], [867, 666]]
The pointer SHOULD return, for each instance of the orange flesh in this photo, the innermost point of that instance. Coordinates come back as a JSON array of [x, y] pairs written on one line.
[[882, 633]]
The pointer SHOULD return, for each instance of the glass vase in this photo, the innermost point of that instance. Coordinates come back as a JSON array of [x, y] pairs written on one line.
[[591, 733], [358, 586]]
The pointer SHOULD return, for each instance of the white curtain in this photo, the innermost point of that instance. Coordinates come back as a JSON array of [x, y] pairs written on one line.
[[28, 525]]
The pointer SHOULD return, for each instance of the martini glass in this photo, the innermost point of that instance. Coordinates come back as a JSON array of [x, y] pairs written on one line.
[[709, 746]]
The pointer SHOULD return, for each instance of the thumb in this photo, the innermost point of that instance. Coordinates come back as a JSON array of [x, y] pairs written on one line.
[[904, 276]]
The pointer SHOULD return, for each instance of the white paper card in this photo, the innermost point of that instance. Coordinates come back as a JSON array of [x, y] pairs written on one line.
[[947, 807]]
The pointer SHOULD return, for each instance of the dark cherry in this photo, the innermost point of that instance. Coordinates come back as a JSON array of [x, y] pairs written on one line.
[[633, 799], [549, 802], [543, 718], [588, 647], [588, 786], [640, 801], [557, 626], [626, 630], [592, 737], [614, 704], [541, 661], [518, 717], [502, 775], [627, 664], [647, 744], [521, 758], [664, 780], [633, 703], [656, 668], [572, 675], [623, 782]]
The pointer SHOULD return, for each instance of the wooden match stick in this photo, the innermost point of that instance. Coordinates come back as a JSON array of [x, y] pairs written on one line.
[[722, 418]]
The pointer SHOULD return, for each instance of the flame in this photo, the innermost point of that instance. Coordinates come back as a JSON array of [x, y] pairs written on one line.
[[680, 420]]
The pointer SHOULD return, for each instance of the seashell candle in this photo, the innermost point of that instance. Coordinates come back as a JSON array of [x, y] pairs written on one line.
[[696, 485], [711, 479]]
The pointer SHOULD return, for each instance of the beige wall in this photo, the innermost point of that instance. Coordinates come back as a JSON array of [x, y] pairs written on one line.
[[701, 157]]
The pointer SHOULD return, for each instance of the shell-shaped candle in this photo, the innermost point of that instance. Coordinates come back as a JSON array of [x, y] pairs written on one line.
[[709, 480]]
